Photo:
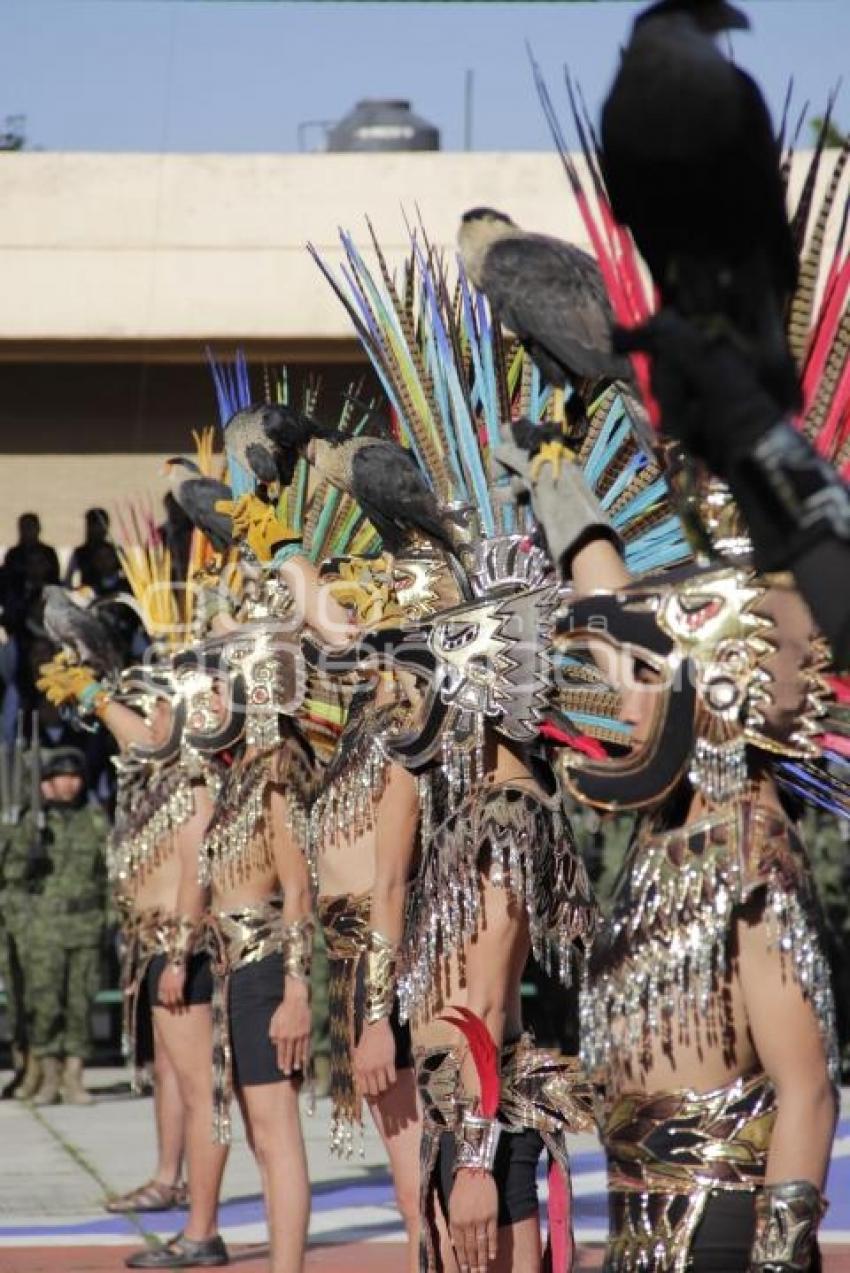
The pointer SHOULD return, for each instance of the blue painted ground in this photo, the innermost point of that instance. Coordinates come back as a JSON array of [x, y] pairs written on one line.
[[589, 1207]]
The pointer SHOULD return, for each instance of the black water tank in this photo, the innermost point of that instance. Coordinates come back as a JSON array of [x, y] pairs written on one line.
[[380, 124]]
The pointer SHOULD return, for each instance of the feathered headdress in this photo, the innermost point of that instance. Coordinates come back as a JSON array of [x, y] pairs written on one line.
[[818, 328], [453, 380]]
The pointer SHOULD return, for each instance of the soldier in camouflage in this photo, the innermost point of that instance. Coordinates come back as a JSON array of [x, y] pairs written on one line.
[[14, 921], [67, 911]]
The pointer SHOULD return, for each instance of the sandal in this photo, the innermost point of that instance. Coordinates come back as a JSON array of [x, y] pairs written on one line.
[[155, 1195]]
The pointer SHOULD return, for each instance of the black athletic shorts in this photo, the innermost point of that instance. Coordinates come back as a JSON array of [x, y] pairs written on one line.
[[198, 986], [515, 1173], [256, 992]]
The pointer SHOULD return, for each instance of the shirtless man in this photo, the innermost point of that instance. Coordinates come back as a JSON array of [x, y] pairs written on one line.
[[707, 1011], [161, 843]]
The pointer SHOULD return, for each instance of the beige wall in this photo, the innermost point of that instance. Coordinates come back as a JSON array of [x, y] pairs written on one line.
[[137, 258], [117, 247]]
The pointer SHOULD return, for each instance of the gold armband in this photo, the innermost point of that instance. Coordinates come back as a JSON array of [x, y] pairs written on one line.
[[476, 1140], [298, 949], [179, 934], [379, 968]]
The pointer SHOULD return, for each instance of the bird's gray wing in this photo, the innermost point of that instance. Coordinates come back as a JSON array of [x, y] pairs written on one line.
[[261, 462], [390, 468], [198, 497], [78, 629], [551, 295], [391, 488]]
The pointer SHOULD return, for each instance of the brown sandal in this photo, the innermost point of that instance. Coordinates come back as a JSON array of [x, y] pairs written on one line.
[[155, 1195]]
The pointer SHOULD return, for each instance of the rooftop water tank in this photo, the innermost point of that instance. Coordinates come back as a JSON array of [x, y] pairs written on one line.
[[381, 124]]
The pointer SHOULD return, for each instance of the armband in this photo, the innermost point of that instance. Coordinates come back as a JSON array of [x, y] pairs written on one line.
[[379, 968], [477, 1140], [298, 949], [179, 938], [787, 1219]]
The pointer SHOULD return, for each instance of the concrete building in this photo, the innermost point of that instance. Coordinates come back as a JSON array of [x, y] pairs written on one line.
[[116, 270]]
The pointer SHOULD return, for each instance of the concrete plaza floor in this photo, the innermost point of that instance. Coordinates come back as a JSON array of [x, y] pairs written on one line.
[[57, 1165]]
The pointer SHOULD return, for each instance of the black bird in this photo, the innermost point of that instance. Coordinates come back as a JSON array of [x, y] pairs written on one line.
[[692, 167], [289, 432], [549, 293], [197, 496], [265, 440], [77, 628], [384, 479]]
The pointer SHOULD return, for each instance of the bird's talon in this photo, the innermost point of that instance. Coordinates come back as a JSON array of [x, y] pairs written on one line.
[[554, 453]]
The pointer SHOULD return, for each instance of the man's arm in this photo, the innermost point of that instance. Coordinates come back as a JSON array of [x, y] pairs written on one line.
[[191, 900], [291, 1023], [494, 964], [788, 1040], [396, 822]]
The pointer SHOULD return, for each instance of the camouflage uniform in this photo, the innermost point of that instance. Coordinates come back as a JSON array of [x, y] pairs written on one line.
[[66, 924], [14, 923]]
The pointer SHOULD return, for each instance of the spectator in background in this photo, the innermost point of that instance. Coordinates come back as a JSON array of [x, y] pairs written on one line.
[[94, 563], [27, 567], [29, 561]]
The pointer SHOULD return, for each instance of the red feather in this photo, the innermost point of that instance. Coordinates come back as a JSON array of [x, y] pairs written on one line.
[[579, 742], [561, 1246], [485, 1055], [836, 743], [840, 686]]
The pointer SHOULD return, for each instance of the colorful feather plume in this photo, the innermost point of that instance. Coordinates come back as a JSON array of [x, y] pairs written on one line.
[[165, 610], [627, 283], [485, 1056], [452, 380], [818, 328], [330, 522], [818, 318]]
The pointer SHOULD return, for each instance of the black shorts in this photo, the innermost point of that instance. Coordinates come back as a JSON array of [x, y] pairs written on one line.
[[256, 992], [515, 1173], [401, 1033], [198, 986]]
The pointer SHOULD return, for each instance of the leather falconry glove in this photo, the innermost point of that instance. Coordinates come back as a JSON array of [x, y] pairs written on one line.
[[564, 506], [255, 524], [63, 682]]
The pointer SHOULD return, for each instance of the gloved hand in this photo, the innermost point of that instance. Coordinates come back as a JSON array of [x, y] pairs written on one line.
[[255, 524], [707, 387], [209, 600], [64, 682], [563, 504]]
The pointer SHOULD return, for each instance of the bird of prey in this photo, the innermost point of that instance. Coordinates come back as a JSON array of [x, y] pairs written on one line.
[[245, 441], [265, 440], [692, 167], [387, 483], [197, 496], [289, 432], [76, 628], [549, 293]]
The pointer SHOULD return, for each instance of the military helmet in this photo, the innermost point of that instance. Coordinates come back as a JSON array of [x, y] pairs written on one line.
[[63, 760]]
